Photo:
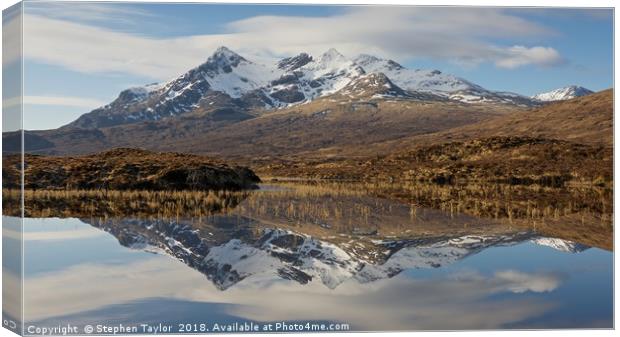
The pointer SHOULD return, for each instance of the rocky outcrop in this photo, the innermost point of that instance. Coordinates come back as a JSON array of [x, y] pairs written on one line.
[[129, 169]]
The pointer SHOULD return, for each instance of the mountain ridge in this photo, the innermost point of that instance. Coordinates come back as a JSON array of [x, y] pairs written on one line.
[[227, 80]]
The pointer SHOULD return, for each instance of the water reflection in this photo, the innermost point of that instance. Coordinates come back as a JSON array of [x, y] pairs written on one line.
[[327, 256], [502, 286], [230, 249]]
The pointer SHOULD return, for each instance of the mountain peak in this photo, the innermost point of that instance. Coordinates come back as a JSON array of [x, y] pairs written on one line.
[[564, 93], [374, 85], [374, 63], [294, 62], [222, 60], [224, 51], [224, 56], [331, 55], [366, 58]]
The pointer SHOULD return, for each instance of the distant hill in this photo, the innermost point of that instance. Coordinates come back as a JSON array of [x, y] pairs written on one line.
[[330, 122]]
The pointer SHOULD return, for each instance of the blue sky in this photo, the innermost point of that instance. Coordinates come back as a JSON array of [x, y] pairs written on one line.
[[80, 55]]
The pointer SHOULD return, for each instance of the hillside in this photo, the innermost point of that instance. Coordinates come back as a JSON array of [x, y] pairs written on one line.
[[558, 142], [587, 119], [584, 120], [319, 126], [513, 160]]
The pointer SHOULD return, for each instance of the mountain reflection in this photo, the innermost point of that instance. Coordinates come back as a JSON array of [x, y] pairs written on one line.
[[228, 249]]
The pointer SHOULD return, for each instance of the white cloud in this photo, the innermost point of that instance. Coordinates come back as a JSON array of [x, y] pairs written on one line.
[[67, 101], [404, 303], [118, 13], [519, 282], [78, 102], [517, 56], [457, 34], [11, 35], [11, 102], [97, 50]]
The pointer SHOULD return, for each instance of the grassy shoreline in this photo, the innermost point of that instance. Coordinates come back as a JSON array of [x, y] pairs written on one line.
[[582, 213], [108, 203]]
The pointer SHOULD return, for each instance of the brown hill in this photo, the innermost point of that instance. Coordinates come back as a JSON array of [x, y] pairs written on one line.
[[513, 160], [316, 127]]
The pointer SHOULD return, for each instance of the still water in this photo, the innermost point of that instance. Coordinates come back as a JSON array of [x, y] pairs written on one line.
[[310, 257]]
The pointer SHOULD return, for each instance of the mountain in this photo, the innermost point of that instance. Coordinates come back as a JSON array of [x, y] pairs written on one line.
[[233, 107], [230, 87], [229, 101], [305, 78], [373, 85], [562, 94], [226, 81]]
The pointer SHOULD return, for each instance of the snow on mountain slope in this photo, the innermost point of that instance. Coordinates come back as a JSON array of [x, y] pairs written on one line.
[[433, 81], [224, 72], [234, 75], [229, 81], [307, 78], [294, 62], [437, 83], [281, 254], [142, 92], [562, 94]]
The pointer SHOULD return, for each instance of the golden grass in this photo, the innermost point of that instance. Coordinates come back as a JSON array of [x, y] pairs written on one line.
[[581, 213], [496, 201], [490, 200], [108, 203]]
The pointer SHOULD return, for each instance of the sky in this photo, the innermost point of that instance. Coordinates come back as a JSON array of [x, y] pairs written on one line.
[[79, 56]]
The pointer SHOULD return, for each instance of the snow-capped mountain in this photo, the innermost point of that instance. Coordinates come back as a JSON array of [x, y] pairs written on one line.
[[231, 82], [562, 94], [227, 257], [437, 83], [224, 78]]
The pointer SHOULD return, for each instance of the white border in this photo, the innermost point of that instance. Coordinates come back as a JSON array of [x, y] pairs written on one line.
[[483, 3]]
